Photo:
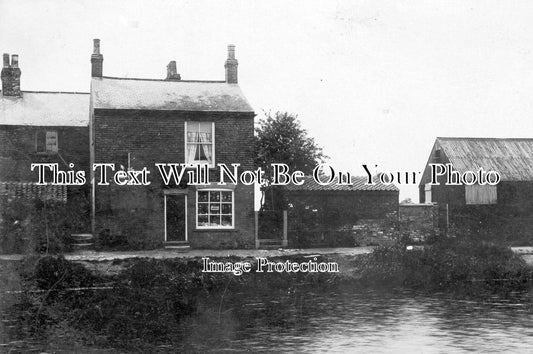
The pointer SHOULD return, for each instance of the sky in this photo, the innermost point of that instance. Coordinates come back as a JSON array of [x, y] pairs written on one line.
[[374, 82]]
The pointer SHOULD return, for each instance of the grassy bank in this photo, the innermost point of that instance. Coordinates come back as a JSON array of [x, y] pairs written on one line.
[[448, 264], [144, 304]]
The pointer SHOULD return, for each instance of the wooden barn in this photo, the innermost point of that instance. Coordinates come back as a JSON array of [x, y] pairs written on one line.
[[505, 208]]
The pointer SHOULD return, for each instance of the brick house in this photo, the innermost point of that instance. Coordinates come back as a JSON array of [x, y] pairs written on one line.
[[39, 127], [505, 208], [136, 123]]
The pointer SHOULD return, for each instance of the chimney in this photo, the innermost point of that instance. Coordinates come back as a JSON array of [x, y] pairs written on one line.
[[231, 66], [11, 76], [172, 72], [97, 60]]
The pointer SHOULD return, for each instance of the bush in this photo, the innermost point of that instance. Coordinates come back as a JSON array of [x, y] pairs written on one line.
[[448, 263], [28, 226], [16, 226]]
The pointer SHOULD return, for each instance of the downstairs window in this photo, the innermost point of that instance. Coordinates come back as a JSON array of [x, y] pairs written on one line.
[[214, 209]]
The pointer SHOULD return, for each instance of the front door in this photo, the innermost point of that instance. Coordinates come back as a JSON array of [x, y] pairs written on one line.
[[175, 217]]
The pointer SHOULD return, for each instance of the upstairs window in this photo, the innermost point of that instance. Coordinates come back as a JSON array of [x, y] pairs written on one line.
[[46, 142], [200, 143]]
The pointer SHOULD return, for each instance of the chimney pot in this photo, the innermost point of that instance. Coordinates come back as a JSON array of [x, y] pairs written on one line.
[[97, 60], [6, 60], [172, 72], [15, 61], [231, 66], [96, 46], [231, 51]]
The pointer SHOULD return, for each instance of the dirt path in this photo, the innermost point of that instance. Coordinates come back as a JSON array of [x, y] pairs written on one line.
[[171, 253]]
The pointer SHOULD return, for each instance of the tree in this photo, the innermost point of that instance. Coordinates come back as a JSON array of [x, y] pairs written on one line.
[[407, 201], [280, 138]]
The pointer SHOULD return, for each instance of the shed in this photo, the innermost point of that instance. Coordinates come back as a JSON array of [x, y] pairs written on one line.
[[332, 215]]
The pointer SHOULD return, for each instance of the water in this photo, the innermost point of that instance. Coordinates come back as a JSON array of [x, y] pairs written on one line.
[[304, 320], [367, 321]]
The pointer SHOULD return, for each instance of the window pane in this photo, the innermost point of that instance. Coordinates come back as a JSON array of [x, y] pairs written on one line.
[[214, 196], [226, 220], [203, 196], [203, 208], [192, 137], [40, 142], [205, 127], [203, 220], [226, 196], [226, 208], [214, 220], [214, 208], [51, 141]]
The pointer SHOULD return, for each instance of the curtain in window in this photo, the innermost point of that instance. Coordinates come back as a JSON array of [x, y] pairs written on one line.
[[191, 148], [205, 139]]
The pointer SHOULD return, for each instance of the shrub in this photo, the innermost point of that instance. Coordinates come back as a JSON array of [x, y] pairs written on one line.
[[28, 226], [447, 263]]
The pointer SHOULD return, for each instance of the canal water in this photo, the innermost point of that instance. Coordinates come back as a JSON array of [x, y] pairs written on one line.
[[352, 320]]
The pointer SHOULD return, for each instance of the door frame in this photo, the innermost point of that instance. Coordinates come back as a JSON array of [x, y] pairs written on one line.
[[183, 192]]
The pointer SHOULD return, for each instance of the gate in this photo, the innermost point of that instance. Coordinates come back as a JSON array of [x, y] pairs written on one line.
[[270, 228]]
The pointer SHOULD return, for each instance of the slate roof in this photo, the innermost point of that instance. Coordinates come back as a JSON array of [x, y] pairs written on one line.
[[511, 158], [358, 184], [45, 109], [145, 94]]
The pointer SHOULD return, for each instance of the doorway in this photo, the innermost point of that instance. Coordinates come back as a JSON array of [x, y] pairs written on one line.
[[175, 217]]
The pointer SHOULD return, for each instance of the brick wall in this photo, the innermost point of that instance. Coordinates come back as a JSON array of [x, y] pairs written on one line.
[[17, 150], [158, 137], [341, 218]]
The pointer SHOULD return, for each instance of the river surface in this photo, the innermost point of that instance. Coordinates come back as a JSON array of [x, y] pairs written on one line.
[[344, 321]]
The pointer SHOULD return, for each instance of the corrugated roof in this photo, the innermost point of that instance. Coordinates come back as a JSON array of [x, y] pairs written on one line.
[[213, 96], [45, 109], [358, 184], [511, 158]]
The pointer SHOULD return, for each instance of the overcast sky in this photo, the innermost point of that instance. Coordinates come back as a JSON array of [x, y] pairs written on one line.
[[373, 81]]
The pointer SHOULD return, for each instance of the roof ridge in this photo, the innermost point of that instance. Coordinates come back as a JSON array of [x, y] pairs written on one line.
[[311, 185], [162, 80], [60, 92]]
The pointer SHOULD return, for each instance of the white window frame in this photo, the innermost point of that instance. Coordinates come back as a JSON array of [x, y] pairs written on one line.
[[48, 134], [209, 209], [212, 165]]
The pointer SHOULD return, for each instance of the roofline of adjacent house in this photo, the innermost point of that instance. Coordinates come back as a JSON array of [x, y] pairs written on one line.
[[162, 80], [340, 191], [58, 92], [171, 110], [45, 126]]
